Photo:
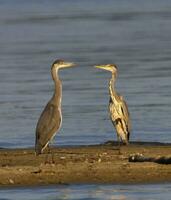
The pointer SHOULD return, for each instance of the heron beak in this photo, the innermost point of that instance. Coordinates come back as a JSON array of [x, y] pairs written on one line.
[[68, 64], [102, 67]]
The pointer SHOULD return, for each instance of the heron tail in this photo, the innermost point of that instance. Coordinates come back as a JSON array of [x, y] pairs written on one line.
[[125, 142], [126, 139], [38, 149]]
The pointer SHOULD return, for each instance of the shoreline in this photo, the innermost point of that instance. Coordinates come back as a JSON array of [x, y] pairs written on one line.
[[90, 164]]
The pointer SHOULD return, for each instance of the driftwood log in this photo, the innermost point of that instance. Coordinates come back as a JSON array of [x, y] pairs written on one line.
[[141, 158]]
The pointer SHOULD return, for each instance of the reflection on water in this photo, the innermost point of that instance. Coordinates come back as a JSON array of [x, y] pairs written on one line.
[[88, 192], [135, 35]]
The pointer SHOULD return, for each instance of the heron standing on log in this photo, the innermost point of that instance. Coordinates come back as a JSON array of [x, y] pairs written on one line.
[[50, 120], [118, 109]]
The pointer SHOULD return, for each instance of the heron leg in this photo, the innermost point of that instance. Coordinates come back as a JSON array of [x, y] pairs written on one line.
[[119, 145], [46, 158], [47, 155], [49, 152], [52, 155]]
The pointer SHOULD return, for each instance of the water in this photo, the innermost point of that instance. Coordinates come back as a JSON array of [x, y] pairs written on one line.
[[134, 34], [90, 192]]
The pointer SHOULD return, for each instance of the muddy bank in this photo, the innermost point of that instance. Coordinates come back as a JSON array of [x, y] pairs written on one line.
[[84, 164]]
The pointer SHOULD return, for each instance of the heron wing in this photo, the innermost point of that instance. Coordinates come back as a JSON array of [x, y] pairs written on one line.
[[126, 115], [49, 122]]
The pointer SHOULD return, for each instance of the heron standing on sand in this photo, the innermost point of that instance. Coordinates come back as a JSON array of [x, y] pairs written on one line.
[[118, 109], [50, 120]]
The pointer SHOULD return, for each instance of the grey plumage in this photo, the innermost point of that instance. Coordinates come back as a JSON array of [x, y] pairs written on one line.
[[118, 108], [50, 120], [48, 124]]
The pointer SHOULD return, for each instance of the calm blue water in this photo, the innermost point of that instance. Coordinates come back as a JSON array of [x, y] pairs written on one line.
[[134, 34], [90, 192]]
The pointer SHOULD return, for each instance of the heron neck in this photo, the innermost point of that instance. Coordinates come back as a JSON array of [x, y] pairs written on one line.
[[112, 91], [112, 82], [58, 87]]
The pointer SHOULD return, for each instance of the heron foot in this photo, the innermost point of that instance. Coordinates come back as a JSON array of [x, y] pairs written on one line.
[[49, 164], [119, 152], [49, 161]]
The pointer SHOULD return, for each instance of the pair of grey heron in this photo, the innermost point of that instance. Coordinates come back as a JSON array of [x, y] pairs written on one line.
[[50, 120]]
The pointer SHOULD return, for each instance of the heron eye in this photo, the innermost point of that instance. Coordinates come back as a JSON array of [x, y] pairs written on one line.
[[58, 62], [61, 62]]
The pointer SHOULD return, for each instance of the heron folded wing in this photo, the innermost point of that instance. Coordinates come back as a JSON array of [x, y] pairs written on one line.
[[114, 113], [126, 116], [48, 124]]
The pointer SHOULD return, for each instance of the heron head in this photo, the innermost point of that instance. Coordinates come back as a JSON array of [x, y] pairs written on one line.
[[59, 64], [109, 67]]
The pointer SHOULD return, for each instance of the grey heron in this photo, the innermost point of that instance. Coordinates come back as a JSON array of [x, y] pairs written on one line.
[[50, 120], [118, 108]]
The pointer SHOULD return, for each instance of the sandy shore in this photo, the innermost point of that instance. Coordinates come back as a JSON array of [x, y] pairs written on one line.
[[84, 164]]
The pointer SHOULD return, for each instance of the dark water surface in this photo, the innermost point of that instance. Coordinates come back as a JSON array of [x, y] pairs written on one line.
[[134, 34]]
